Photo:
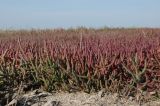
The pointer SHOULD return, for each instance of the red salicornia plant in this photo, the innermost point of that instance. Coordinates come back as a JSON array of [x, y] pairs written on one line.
[[119, 60]]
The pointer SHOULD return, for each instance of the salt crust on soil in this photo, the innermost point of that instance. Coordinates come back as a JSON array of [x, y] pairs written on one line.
[[37, 98]]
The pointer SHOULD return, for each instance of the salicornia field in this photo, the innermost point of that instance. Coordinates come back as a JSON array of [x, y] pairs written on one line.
[[118, 60]]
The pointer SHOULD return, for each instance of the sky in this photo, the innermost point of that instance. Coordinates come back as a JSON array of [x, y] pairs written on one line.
[[26, 14]]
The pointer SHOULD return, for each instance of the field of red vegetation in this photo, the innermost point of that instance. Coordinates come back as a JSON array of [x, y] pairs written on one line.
[[125, 61]]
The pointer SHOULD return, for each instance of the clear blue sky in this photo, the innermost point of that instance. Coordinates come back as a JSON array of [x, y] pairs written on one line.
[[73, 13]]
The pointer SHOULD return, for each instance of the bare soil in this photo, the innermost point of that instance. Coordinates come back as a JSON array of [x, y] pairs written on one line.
[[41, 98]]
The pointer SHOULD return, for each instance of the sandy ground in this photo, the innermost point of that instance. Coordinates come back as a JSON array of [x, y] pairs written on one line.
[[37, 98]]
